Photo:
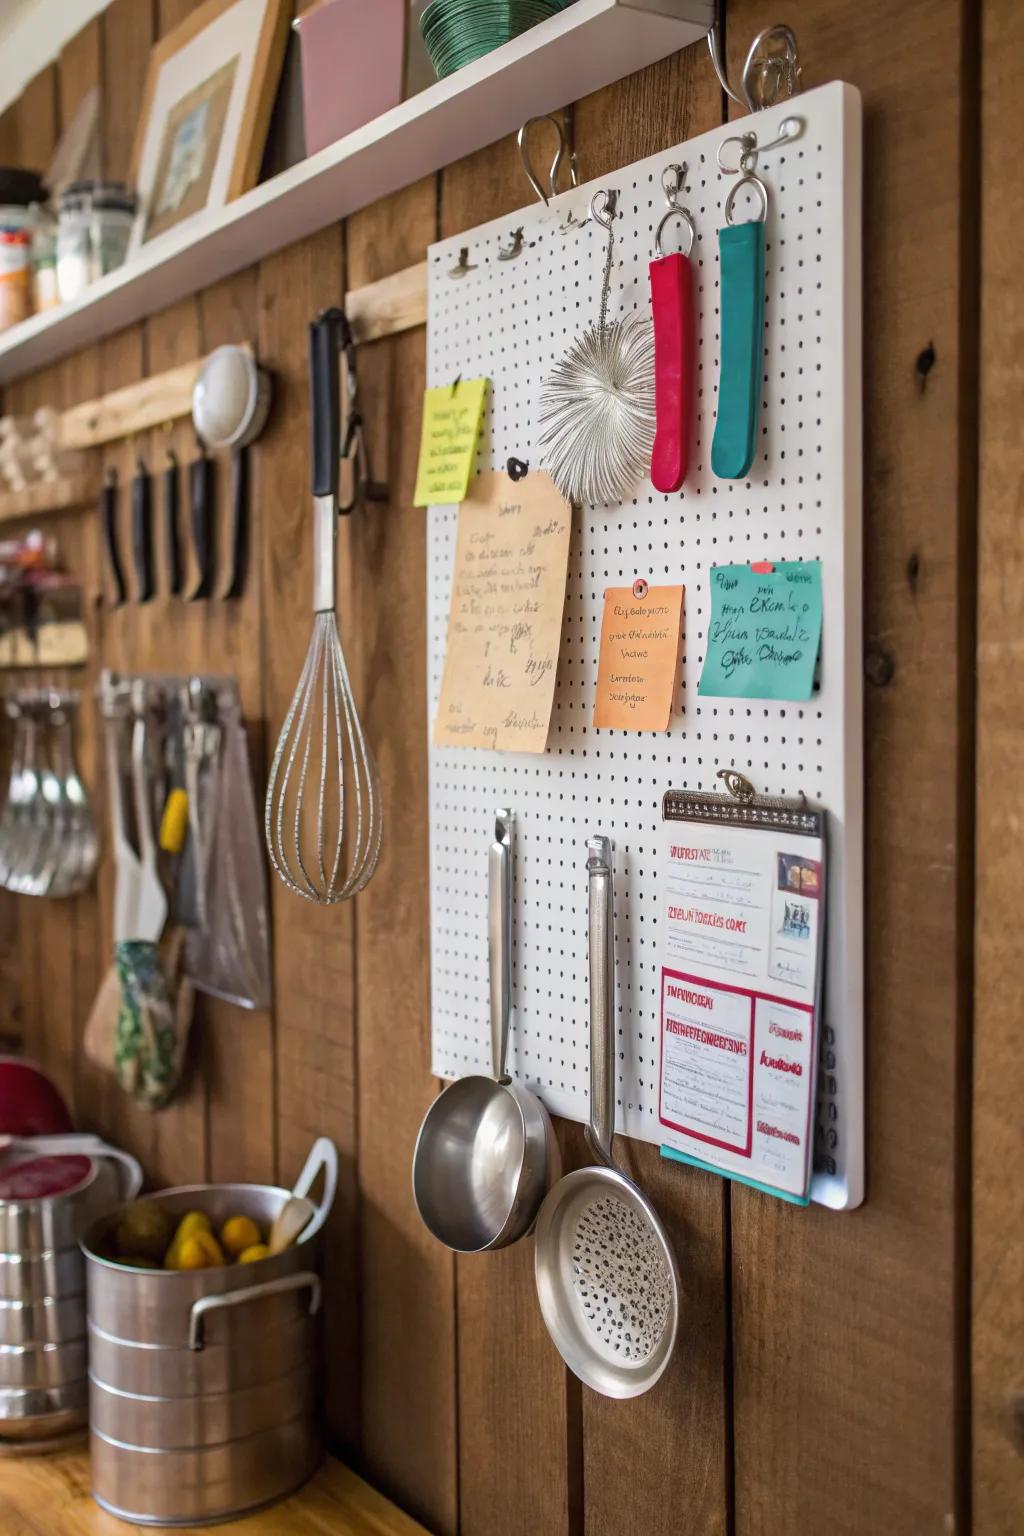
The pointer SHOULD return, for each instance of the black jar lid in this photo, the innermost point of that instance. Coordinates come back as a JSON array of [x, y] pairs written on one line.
[[98, 194], [20, 187]]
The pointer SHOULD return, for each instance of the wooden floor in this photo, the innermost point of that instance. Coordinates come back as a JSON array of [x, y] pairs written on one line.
[[49, 1496]]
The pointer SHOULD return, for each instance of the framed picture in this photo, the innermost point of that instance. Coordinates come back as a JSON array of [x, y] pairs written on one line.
[[207, 103]]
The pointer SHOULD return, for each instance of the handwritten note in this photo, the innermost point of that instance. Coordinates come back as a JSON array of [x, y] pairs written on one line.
[[765, 631], [451, 426], [505, 623], [636, 675]]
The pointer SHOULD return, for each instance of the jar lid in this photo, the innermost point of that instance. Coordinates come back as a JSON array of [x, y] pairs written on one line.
[[40, 1178], [100, 194], [20, 186]]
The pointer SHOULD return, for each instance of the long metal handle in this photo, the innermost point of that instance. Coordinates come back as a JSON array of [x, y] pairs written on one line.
[[206, 1304], [140, 787], [324, 343], [602, 995], [499, 941]]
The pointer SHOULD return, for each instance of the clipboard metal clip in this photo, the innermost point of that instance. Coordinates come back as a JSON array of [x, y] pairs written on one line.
[[737, 785]]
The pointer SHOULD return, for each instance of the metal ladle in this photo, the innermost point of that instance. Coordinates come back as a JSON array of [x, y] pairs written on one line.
[[230, 402], [486, 1152]]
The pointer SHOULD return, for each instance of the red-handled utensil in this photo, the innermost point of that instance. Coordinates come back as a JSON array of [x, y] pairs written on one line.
[[675, 345]]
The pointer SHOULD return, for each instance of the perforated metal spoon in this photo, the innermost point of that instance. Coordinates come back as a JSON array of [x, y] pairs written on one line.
[[606, 1275]]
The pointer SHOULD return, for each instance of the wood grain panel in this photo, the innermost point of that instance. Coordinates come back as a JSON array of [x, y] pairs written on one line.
[[408, 1325], [651, 110], [37, 120], [846, 1326], [314, 980], [128, 35], [998, 1230]]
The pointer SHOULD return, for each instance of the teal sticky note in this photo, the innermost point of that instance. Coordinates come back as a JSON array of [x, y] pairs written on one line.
[[764, 632]]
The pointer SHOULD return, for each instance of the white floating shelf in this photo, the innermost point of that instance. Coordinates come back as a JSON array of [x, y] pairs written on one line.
[[580, 50]]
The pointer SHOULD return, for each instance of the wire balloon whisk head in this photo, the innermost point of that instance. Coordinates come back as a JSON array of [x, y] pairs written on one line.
[[323, 817]]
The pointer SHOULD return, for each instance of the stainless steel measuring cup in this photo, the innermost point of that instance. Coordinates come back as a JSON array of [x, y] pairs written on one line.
[[606, 1274], [486, 1152]]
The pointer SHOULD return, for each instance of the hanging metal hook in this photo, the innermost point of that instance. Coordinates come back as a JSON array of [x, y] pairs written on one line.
[[565, 148], [464, 266], [673, 179], [749, 148], [518, 246], [771, 70], [606, 213]]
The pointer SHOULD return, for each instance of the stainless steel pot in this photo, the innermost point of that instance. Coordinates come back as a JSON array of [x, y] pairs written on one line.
[[31, 1276], [50, 1223], [38, 1413], [202, 1382], [43, 1365], [203, 1486], [49, 1320]]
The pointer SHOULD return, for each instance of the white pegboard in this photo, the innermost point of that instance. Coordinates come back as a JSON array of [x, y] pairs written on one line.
[[510, 321]]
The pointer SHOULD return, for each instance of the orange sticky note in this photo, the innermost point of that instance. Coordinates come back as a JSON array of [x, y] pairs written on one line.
[[636, 675]]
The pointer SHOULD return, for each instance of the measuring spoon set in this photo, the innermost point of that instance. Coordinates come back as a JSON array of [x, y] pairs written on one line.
[[486, 1171]]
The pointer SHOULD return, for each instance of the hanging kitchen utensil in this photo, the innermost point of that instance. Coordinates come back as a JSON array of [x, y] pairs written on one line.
[[108, 516], [230, 402], [142, 533], [606, 1274], [172, 523], [675, 343], [486, 1153], [229, 952], [327, 852], [741, 303], [127, 864], [200, 497], [151, 908], [597, 407]]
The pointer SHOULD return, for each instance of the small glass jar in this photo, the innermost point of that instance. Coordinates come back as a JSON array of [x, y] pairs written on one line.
[[74, 241], [45, 293], [15, 265], [113, 207], [93, 231]]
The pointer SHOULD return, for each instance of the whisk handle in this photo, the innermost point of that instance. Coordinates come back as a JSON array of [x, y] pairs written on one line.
[[325, 338]]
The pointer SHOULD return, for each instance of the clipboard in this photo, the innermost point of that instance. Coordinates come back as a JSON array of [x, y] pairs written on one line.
[[741, 962]]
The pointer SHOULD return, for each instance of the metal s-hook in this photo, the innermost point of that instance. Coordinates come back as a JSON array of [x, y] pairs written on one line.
[[464, 266], [604, 215], [771, 70], [565, 148]]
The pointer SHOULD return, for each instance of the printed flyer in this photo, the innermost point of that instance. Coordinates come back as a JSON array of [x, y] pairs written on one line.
[[742, 925]]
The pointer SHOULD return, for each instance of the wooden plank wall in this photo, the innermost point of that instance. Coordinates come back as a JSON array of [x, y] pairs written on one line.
[[822, 1381]]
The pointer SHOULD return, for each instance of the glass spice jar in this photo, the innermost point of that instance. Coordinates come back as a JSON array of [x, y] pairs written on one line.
[[18, 189]]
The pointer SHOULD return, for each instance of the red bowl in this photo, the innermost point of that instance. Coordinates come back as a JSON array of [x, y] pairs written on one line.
[[30, 1104]]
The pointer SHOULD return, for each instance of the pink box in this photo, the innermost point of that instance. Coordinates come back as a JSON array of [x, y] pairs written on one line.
[[353, 59]]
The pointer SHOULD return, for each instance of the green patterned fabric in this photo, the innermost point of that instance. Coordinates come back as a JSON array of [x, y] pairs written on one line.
[[147, 1051]]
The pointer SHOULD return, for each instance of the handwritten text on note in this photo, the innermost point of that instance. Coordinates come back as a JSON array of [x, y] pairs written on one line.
[[765, 631], [451, 426], [639, 663], [505, 622]]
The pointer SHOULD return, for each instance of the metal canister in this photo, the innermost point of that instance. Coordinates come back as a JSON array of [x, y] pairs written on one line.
[[50, 1189], [202, 1382]]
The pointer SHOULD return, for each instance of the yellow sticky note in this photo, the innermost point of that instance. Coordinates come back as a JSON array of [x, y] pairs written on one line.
[[451, 427]]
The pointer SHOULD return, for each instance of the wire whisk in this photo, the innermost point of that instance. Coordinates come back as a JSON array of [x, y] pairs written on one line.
[[324, 848]]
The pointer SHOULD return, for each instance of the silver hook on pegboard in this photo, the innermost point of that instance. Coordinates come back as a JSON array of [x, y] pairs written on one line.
[[771, 70]]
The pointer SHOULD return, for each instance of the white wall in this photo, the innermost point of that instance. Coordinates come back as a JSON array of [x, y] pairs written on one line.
[[32, 34]]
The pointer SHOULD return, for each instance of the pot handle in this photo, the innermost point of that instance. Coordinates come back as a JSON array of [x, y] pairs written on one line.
[[205, 1304], [85, 1145], [323, 1154]]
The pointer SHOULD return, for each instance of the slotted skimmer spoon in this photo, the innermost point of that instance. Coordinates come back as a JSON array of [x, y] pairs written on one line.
[[325, 849], [606, 1274]]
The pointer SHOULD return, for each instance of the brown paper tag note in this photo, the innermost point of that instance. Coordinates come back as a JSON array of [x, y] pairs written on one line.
[[505, 622], [636, 675]]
